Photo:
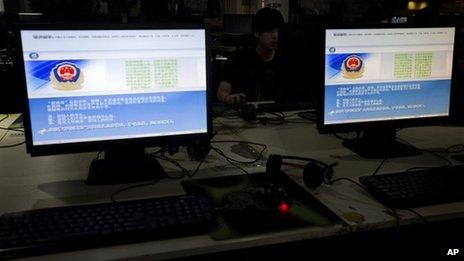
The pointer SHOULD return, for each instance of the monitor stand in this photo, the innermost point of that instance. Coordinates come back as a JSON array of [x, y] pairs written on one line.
[[377, 143], [124, 165]]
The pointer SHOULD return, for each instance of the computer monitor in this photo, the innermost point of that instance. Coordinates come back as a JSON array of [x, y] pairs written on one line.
[[380, 78], [116, 89], [398, 19]]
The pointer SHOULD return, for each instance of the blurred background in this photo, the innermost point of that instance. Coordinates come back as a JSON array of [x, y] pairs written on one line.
[[230, 22]]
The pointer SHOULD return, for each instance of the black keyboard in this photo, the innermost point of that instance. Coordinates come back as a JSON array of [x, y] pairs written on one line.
[[417, 188], [77, 227]]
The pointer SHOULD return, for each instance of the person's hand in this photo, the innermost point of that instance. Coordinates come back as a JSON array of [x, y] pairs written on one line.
[[236, 99]]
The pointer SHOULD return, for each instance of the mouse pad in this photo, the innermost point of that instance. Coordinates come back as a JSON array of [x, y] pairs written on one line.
[[245, 150], [241, 213]]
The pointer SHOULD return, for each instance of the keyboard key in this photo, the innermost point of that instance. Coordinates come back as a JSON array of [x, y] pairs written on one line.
[[417, 188], [77, 227]]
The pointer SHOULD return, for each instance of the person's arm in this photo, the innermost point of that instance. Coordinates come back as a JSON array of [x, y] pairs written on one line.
[[224, 90], [225, 95]]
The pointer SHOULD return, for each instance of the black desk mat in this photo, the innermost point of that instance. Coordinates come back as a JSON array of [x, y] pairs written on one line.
[[241, 213]]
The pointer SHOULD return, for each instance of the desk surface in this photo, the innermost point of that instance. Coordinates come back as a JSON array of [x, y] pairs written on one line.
[[39, 182]]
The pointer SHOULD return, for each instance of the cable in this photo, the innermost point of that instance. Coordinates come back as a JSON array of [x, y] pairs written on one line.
[[252, 114], [280, 117], [331, 182], [308, 117], [4, 118], [418, 214], [185, 172], [177, 164], [13, 145], [231, 117], [231, 162], [301, 119], [12, 129], [239, 141], [457, 148], [195, 171], [293, 114], [9, 129], [380, 166], [258, 158], [339, 137], [417, 168], [221, 153], [98, 155], [4, 135], [297, 121], [326, 165], [113, 196]]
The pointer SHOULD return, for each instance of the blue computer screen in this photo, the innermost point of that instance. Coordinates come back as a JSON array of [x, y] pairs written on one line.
[[387, 74], [93, 85]]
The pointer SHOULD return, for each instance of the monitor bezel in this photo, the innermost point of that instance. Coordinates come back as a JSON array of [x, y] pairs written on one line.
[[397, 123], [77, 147]]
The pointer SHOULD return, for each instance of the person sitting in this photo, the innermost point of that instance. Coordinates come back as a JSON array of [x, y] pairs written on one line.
[[256, 74]]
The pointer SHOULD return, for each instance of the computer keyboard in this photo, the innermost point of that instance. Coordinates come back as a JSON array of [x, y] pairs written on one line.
[[417, 188], [77, 227]]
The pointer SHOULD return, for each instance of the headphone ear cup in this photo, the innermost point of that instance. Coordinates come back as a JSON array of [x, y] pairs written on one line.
[[199, 149], [248, 113], [273, 165], [313, 175]]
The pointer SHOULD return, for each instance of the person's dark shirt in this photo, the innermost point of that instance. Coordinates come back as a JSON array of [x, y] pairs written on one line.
[[257, 79]]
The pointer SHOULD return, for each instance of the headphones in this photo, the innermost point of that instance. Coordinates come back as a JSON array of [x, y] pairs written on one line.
[[198, 149], [249, 113], [314, 174]]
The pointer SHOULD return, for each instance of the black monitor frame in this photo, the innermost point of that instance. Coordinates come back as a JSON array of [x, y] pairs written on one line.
[[401, 123], [379, 137], [175, 140]]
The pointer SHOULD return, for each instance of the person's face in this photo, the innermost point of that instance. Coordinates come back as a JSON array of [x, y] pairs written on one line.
[[269, 39]]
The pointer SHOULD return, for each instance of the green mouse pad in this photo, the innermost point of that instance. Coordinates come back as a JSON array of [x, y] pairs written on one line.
[[244, 208]]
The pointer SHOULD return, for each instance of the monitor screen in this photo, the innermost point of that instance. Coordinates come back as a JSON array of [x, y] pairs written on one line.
[[115, 84], [398, 19], [387, 74]]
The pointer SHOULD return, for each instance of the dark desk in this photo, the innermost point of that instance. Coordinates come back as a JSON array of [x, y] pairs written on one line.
[[31, 183]]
